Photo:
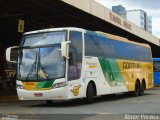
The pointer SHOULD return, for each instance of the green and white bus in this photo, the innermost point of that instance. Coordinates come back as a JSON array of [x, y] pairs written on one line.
[[70, 63]]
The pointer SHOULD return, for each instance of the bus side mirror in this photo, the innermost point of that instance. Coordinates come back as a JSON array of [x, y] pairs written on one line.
[[12, 54], [64, 49]]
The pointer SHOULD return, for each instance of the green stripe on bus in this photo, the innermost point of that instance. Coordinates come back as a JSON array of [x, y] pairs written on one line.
[[46, 84], [40, 84], [111, 71]]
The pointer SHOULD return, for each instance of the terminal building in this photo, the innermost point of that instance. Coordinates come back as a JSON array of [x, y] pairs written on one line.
[[19, 16], [120, 10], [138, 17]]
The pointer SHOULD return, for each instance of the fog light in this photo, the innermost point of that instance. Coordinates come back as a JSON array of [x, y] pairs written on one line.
[[21, 98], [20, 86]]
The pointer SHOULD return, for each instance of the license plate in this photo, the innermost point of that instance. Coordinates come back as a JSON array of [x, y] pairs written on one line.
[[38, 94]]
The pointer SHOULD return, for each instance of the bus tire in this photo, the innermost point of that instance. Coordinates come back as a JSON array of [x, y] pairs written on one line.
[[89, 94], [137, 89], [49, 102], [142, 89]]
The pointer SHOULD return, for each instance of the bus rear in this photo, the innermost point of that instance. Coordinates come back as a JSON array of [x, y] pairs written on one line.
[[156, 64]]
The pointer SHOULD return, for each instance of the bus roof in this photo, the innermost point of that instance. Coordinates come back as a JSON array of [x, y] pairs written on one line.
[[110, 36], [54, 29], [122, 39]]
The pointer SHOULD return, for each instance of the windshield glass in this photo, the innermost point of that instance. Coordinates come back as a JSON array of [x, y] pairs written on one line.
[[40, 56], [43, 38], [41, 63]]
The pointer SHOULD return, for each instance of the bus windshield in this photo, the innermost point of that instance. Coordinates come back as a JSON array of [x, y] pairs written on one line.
[[41, 64], [40, 57], [46, 38]]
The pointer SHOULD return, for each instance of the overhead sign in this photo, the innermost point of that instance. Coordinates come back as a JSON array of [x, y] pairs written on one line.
[[120, 21], [21, 26]]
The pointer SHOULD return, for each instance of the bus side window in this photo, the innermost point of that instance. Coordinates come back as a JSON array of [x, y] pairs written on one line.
[[75, 56], [70, 59], [72, 56]]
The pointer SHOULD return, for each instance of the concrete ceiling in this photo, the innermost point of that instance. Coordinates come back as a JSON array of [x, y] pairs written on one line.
[[39, 14]]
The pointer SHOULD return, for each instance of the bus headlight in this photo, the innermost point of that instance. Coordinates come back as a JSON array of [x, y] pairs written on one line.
[[20, 86], [58, 85]]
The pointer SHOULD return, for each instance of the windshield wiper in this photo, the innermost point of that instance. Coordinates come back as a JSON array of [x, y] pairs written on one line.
[[33, 66], [42, 73]]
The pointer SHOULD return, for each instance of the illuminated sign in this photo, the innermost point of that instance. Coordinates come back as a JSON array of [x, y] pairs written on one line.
[[21, 26]]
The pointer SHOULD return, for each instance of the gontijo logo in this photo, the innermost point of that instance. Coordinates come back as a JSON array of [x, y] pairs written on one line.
[[131, 65], [92, 64]]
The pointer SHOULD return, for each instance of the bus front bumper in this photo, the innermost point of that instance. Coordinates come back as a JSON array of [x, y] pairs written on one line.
[[52, 94]]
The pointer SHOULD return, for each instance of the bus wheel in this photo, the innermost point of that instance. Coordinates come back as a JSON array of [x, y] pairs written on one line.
[[89, 94], [49, 102], [142, 89], [137, 89]]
